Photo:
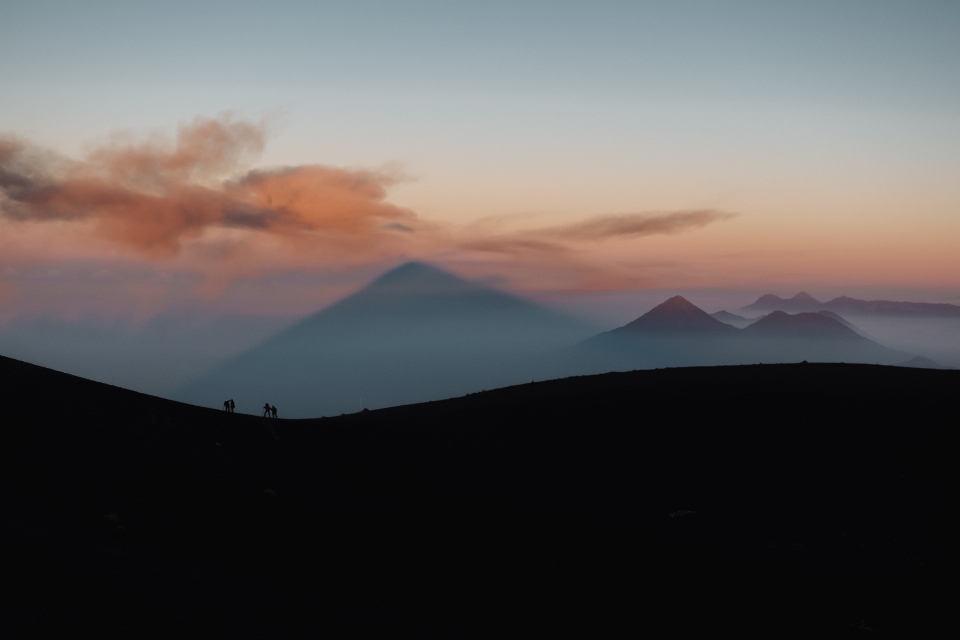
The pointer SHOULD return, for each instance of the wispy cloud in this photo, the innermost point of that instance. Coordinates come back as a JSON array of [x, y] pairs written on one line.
[[560, 239], [635, 225]]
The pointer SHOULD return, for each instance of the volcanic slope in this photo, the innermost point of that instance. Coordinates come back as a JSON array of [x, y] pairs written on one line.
[[810, 499], [732, 319], [679, 334], [416, 333]]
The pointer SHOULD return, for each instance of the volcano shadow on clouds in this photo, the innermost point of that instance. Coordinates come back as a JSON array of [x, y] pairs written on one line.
[[416, 333]]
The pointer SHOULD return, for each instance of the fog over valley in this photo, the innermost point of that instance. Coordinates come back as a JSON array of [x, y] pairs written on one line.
[[419, 333]]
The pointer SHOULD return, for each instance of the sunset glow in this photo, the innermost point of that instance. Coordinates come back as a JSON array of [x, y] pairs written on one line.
[[588, 151]]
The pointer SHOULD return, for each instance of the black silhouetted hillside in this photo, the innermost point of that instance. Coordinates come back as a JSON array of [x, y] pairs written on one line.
[[760, 499]]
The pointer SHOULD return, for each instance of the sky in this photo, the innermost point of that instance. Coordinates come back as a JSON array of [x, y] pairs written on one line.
[[272, 157]]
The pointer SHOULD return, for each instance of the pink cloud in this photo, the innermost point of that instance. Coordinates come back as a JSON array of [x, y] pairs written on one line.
[[152, 196]]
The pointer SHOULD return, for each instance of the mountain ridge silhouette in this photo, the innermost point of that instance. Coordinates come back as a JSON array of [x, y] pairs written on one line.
[[845, 305], [677, 314], [679, 334]]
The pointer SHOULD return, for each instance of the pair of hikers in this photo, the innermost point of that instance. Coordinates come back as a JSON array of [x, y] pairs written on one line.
[[268, 411], [229, 406]]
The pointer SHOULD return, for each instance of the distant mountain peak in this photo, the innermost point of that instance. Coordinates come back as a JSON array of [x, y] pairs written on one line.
[[676, 315], [802, 325], [676, 303], [802, 301]]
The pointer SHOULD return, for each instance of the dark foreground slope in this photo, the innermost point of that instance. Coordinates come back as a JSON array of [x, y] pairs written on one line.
[[763, 499]]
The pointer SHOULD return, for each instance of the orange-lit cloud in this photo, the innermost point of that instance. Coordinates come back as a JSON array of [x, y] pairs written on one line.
[[152, 196]]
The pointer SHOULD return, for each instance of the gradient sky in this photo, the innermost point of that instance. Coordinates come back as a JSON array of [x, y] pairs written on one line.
[[555, 148]]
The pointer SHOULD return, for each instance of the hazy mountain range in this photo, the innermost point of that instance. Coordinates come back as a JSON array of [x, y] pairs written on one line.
[[741, 322], [418, 333], [677, 333], [803, 302]]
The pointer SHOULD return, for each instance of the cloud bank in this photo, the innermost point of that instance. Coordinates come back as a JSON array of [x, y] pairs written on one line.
[[151, 196]]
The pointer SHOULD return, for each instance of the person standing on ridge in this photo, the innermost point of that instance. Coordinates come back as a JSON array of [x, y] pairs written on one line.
[[232, 405], [273, 412], [266, 410]]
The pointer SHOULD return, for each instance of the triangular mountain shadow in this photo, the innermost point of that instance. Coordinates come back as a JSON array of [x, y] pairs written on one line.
[[418, 278], [414, 334]]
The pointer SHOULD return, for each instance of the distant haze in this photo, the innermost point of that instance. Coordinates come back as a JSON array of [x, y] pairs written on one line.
[[181, 181]]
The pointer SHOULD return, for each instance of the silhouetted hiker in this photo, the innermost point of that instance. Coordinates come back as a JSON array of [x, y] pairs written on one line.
[[273, 411], [266, 410], [226, 406], [232, 405]]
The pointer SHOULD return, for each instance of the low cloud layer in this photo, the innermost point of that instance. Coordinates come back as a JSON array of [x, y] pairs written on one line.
[[153, 195]]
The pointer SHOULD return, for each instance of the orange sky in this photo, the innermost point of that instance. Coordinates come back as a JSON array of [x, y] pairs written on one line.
[[197, 209]]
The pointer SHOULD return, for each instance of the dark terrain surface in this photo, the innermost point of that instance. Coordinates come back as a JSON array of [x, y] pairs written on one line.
[[765, 500]]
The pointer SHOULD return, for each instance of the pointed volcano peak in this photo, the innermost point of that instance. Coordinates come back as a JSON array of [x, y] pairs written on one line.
[[676, 315], [803, 296], [676, 304], [419, 278]]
